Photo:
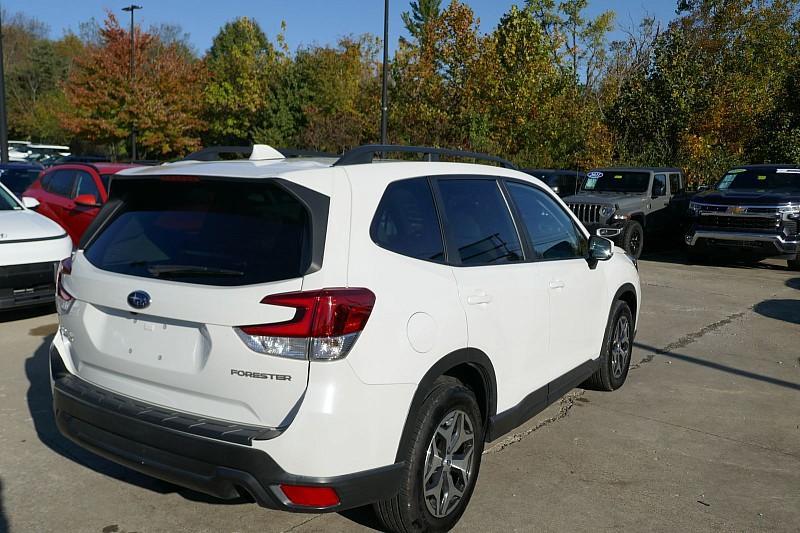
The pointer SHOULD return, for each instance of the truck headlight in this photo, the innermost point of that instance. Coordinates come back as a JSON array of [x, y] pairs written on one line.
[[694, 208], [606, 211]]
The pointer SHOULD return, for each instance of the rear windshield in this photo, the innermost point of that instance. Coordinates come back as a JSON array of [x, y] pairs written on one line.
[[616, 181], [787, 179], [207, 232], [17, 180]]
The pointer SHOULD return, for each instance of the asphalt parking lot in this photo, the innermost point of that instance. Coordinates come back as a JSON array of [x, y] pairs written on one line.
[[704, 436]]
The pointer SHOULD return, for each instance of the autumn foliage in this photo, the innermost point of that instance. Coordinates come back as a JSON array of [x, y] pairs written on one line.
[[163, 100], [719, 86]]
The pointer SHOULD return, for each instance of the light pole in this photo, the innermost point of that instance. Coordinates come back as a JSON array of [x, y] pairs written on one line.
[[131, 8], [385, 83], [3, 119]]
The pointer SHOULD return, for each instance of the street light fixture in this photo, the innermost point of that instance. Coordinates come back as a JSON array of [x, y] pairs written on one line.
[[131, 8]]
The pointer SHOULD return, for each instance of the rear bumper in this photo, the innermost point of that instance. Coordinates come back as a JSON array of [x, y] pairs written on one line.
[[219, 468], [773, 243], [27, 285]]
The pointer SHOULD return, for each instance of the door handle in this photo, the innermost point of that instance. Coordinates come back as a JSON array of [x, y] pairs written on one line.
[[557, 284], [479, 298]]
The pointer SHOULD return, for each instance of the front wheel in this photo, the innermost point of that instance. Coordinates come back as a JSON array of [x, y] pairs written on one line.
[[633, 239], [615, 359], [442, 462], [794, 264]]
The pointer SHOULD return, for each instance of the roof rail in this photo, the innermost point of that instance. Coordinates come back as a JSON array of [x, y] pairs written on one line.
[[213, 153], [365, 154]]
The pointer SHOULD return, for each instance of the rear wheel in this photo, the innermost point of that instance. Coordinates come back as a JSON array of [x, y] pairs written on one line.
[[633, 239], [442, 462], [615, 360]]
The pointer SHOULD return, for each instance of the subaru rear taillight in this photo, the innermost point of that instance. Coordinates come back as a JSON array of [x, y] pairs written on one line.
[[64, 299], [325, 325]]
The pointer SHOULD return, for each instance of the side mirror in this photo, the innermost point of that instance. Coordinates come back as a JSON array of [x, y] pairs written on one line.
[[658, 191], [30, 203], [600, 249], [87, 200], [702, 188]]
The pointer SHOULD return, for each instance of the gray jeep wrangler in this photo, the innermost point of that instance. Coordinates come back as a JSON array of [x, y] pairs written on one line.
[[624, 204]]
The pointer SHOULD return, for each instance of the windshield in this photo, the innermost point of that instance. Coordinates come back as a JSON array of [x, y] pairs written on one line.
[[781, 179], [616, 181], [208, 232], [7, 202], [17, 180]]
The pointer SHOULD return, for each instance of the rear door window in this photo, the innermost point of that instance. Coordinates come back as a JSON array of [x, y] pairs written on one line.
[[210, 232], [406, 221], [675, 184], [479, 222]]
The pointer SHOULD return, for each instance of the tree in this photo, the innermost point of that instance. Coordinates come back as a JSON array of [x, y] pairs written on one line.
[[246, 69], [716, 91], [423, 12], [163, 102]]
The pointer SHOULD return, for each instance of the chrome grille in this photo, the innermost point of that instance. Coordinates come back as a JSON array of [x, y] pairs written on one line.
[[587, 213]]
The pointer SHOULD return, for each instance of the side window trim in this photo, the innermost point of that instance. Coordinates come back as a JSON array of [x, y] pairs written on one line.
[[576, 226]]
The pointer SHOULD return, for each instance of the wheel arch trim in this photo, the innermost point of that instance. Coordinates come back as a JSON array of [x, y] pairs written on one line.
[[471, 357]]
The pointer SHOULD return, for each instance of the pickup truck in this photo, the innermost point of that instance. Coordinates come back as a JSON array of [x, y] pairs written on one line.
[[753, 211], [625, 204]]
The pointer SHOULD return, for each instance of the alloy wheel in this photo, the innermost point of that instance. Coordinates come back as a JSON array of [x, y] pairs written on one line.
[[448, 463], [620, 346]]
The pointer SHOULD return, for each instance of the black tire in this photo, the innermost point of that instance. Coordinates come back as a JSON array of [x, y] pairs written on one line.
[[633, 239], [608, 376], [408, 511], [794, 264]]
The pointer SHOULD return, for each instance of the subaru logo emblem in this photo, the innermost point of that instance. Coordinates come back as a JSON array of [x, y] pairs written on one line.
[[139, 299]]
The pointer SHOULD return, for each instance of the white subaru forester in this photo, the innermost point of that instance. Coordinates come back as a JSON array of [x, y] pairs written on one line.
[[327, 334]]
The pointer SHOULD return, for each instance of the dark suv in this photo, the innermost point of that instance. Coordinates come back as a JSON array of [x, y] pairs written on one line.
[[753, 211]]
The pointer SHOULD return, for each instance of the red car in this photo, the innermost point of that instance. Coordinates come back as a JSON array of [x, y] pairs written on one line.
[[73, 194]]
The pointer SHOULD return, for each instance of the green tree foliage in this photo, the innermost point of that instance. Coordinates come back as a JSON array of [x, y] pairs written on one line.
[[718, 88], [423, 12], [245, 69]]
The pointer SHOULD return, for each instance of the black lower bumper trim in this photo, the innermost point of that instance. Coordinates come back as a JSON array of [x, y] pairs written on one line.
[[214, 467]]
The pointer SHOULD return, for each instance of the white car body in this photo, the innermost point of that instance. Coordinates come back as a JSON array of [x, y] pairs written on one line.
[[536, 324], [31, 245]]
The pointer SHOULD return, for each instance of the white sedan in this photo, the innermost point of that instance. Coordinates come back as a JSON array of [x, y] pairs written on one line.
[[31, 246]]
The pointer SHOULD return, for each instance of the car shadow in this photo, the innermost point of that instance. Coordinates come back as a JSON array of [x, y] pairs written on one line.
[[793, 283], [679, 256], [13, 315], [3, 520], [40, 405], [780, 309]]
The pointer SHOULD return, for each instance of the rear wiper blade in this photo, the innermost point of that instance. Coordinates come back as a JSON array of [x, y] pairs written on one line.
[[190, 270]]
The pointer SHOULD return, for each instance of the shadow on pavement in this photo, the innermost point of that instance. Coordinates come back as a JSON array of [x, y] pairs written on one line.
[[786, 310], [40, 406], [3, 519], [793, 283], [26, 312], [363, 516], [720, 367]]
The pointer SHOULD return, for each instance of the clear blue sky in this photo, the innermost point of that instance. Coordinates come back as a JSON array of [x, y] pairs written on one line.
[[308, 21]]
